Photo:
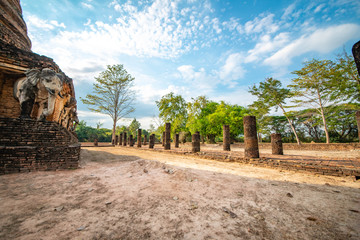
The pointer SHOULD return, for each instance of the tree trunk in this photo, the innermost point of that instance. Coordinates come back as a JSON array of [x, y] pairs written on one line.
[[291, 125], [324, 120], [113, 132]]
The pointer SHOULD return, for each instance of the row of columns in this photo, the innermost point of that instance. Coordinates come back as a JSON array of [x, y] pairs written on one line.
[[250, 139]]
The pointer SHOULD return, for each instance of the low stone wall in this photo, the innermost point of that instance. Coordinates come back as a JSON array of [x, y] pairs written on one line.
[[304, 146], [29, 145], [310, 146], [301, 166]]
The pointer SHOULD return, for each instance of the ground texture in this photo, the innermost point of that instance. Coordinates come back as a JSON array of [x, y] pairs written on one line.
[[126, 193]]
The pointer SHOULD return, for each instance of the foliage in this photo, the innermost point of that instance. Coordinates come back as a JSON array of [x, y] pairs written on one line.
[[271, 94], [344, 79], [112, 94], [89, 134], [172, 109], [226, 114], [313, 87], [133, 127]]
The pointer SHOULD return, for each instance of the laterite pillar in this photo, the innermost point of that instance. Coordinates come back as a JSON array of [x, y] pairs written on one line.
[[139, 138], [276, 144], [152, 141], [167, 136], [124, 143], [195, 142], [250, 137], [226, 138], [177, 140]]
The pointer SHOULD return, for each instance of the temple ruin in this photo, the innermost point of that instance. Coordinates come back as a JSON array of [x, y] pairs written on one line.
[[37, 120]]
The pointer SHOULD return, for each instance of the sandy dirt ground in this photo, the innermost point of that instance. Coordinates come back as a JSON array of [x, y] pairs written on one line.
[[126, 193]]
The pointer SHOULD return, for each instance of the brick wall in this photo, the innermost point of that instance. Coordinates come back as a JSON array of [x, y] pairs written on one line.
[[29, 145], [9, 106]]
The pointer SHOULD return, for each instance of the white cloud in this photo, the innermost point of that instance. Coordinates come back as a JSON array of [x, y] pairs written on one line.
[[319, 8], [232, 69], [216, 26], [35, 22], [239, 96], [200, 80], [289, 10], [321, 40], [264, 24], [87, 5], [266, 45]]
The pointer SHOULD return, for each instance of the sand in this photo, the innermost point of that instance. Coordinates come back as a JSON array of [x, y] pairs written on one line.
[[125, 193]]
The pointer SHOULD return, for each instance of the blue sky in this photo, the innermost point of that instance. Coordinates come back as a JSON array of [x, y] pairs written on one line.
[[216, 48]]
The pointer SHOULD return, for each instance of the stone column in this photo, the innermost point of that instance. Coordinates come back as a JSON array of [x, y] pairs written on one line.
[[163, 139], [177, 140], [167, 136], [121, 139], [131, 140], [96, 142], [226, 138], [250, 137], [139, 138], [145, 140], [358, 123], [125, 139], [276, 144], [195, 142], [152, 141], [116, 139]]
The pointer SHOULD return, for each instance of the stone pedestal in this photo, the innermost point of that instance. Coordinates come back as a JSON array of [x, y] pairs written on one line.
[[120, 139], [177, 140], [167, 145], [226, 138], [125, 139], [195, 141], [152, 141], [276, 144], [139, 138], [250, 137]]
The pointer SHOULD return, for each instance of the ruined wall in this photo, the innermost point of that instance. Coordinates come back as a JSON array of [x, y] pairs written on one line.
[[13, 64], [9, 106], [13, 29], [29, 145]]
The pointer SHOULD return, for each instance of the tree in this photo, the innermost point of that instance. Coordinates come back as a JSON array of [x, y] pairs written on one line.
[[313, 87], [198, 120], [112, 94], [344, 80], [226, 114], [172, 109], [271, 94], [134, 125]]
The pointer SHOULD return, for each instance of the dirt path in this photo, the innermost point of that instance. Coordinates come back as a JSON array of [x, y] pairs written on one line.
[[124, 193]]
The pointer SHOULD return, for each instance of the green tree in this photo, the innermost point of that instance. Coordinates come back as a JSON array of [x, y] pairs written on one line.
[[172, 109], [226, 114], [134, 126], [312, 87], [260, 111], [344, 80], [271, 94], [112, 94]]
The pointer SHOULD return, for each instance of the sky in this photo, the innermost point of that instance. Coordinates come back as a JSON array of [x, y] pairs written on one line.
[[216, 48]]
